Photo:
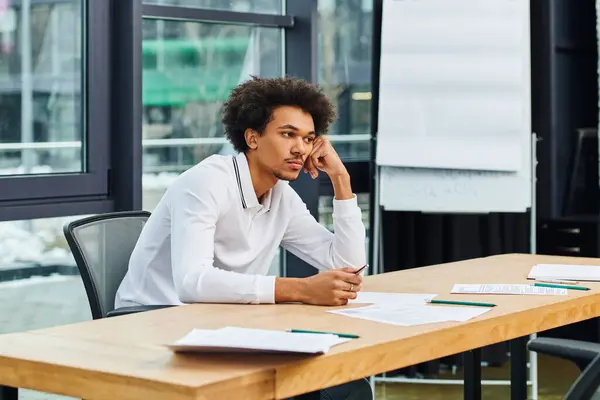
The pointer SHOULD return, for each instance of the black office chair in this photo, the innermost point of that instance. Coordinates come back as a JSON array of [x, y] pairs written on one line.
[[102, 246], [585, 355]]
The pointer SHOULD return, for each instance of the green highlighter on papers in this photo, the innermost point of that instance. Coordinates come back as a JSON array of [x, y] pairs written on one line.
[[461, 303]]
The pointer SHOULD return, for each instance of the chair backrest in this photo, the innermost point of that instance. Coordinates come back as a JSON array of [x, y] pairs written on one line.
[[102, 245]]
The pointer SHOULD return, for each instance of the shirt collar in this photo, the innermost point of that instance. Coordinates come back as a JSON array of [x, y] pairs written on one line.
[[244, 181]]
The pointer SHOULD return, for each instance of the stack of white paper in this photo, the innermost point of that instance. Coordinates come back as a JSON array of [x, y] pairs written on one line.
[[234, 339], [507, 289], [566, 272]]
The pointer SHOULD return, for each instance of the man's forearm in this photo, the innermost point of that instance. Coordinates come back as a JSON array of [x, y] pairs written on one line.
[[342, 188], [289, 290]]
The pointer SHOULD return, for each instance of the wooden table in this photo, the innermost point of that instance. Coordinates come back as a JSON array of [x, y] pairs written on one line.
[[124, 357]]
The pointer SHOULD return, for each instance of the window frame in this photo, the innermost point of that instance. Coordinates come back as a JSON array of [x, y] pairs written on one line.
[[33, 196], [197, 14], [301, 61]]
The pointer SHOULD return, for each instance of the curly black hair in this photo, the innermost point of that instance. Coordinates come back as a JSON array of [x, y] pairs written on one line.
[[251, 104]]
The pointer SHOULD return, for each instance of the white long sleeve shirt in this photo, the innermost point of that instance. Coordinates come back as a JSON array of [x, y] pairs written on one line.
[[210, 240]]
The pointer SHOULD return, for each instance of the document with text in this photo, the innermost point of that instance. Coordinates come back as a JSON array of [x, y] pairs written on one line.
[[507, 288], [392, 299]]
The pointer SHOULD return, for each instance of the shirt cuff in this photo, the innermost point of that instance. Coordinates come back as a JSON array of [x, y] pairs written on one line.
[[345, 208], [265, 289]]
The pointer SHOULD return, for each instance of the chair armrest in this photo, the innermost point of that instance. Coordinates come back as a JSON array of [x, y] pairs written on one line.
[[586, 385], [135, 309], [580, 352]]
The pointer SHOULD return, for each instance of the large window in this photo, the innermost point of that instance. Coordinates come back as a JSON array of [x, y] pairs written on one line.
[[344, 61], [40, 89], [40, 286], [189, 69], [49, 111]]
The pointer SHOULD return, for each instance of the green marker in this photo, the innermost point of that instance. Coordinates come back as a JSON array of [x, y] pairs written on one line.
[[342, 335], [462, 303], [549, 285]]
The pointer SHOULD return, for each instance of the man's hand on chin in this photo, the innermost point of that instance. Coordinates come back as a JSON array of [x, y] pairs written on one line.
[[324, 158]]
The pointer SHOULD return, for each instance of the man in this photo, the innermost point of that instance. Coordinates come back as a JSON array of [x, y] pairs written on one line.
[[213, 235]]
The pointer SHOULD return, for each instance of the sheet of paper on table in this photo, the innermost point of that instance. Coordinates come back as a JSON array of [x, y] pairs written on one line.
[[412, 314], [391, 299], [235, 339], [519, 289], [565, 271]]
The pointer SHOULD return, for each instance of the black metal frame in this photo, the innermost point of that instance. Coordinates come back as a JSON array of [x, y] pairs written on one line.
[[518, 367], [218, 16], [9, 393], [125, 174], [472, 372], [75, 246], [376, 64], [301, 62], [29, 196]]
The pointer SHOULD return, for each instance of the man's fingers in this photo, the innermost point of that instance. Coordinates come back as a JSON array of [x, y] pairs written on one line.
[[348, 284], [350, 277], [342, 285], [314, 158], [317, 152], [309, 167], [345, 295]]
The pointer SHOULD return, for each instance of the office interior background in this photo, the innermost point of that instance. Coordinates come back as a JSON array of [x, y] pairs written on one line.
[[104, 102]]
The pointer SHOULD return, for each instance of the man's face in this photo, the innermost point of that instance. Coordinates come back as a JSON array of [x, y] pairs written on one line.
[[286, 142]]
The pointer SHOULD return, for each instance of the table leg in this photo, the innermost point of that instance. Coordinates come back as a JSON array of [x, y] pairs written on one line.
[[9, 393], [518, 368], [472, 386]]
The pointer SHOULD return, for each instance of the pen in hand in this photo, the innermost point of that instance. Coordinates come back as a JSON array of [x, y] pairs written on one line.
[[361, 269]]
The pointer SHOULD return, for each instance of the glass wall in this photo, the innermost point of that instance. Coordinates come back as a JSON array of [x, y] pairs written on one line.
[[344, 59], [41, 128], [41, 131], [345, 42], [40, 285], [189, 69]]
